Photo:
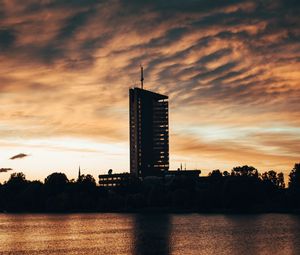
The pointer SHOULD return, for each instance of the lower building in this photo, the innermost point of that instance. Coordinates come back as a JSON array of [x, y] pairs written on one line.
[[187, 173], [116, 180]]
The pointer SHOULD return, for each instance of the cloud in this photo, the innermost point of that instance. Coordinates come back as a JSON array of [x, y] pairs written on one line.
[[7, 39], [74, 22], [4, 170], [66, 67], [224, 153], [21, 155]]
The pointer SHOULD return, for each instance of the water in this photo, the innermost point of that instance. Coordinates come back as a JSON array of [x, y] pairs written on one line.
[[161, 234]]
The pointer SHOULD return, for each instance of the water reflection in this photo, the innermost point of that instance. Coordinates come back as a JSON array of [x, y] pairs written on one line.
[[267, 234], [295, 234], [244, 233], [152, 234], [147, 234]]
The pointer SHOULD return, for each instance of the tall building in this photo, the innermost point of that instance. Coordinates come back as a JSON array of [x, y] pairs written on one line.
[[149, 132]]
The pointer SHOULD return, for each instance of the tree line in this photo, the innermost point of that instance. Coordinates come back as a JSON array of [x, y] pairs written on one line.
[[243, 189]]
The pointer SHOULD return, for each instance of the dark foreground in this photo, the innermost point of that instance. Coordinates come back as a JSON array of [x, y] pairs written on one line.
[[138, 234], [244, 190]]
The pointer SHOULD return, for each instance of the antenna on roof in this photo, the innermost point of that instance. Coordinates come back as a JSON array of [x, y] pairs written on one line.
[[142, 77]]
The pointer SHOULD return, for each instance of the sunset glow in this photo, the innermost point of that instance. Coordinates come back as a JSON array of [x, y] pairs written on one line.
[[231, 70]]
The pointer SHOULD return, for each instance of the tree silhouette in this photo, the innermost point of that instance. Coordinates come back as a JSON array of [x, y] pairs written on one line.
[[17, 177], [280, 180], [242, 190], [275, 179], [216, 174], [226, 173], [56, 179], [245, 171], [56, 182], [16, 182], [87, 180], [294, 187], [294, 177], [87, 184]]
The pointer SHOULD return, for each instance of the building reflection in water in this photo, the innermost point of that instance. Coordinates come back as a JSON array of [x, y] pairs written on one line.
[[152, 234], [243, 234]]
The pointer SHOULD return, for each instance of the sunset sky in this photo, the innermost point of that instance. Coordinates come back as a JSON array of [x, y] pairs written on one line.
[[231, 70]]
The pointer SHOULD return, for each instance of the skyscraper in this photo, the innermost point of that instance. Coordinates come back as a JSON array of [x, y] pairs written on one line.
[[149, 132]]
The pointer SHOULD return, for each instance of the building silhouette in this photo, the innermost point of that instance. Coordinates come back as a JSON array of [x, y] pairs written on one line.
[[116, 180], [149, 132], [149, 142]]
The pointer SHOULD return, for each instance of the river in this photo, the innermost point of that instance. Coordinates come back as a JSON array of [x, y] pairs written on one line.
[[142, 234]]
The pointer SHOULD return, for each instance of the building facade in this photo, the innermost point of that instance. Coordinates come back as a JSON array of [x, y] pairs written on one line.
[[116, 180], [149, 133]]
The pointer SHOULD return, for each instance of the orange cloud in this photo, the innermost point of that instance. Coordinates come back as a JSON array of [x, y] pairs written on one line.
[[66, 67]]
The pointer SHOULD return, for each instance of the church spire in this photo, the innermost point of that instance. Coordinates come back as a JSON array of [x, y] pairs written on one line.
[[79, 174]]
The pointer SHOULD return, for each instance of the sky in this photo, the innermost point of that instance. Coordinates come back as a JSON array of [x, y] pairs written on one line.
[[231, 70]]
